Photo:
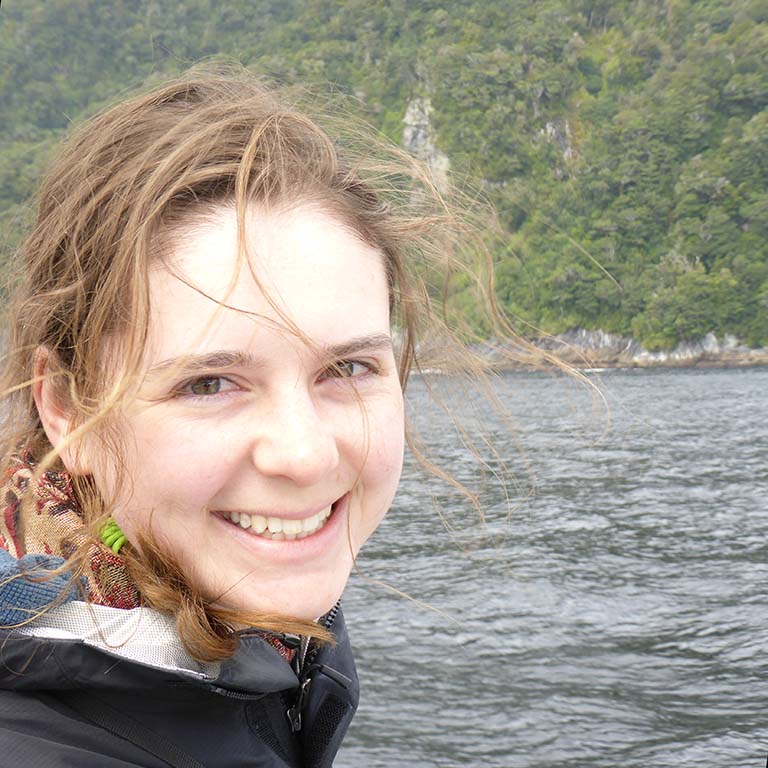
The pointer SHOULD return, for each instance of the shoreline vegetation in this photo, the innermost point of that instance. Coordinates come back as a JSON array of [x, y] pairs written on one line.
[[587, 350]]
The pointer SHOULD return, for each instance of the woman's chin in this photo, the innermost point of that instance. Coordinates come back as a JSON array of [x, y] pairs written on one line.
[[302, 602]]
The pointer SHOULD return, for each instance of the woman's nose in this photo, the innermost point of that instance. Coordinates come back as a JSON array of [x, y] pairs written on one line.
[[296, 443]]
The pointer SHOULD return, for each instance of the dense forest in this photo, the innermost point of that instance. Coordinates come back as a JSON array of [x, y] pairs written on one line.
[[624, 142]]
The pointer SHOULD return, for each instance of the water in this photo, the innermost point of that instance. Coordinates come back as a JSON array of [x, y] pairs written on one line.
[[618, 618]]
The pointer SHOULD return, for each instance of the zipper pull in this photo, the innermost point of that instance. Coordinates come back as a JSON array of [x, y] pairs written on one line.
[[337, 677], [294, 713]]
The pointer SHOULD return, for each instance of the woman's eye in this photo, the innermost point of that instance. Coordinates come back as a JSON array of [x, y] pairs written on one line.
[[206, 385], [347, 369]]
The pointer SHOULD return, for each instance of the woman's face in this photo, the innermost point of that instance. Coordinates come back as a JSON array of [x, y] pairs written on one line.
[[262, 462]]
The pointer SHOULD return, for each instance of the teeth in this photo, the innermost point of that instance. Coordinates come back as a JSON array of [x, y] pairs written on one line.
[[279, 528], [292, 527], [258, 523], [275, 524]]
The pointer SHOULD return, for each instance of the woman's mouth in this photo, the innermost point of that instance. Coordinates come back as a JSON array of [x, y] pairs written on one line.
[[281, 528]]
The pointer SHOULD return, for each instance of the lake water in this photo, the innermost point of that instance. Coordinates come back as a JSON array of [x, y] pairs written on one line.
[[617, 616]]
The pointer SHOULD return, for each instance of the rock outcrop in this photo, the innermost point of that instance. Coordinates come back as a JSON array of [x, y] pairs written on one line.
[[598, 349], [417, 138]]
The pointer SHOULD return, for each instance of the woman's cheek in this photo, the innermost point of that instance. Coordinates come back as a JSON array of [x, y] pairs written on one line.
[[175, 468], [387, 445]]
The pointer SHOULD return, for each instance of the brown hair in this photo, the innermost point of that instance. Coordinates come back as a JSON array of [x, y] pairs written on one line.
[[138, 170]]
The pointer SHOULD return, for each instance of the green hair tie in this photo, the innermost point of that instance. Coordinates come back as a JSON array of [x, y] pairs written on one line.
[[112, 536]]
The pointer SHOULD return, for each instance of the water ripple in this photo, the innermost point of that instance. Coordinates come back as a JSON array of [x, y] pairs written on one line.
[[617, 617]]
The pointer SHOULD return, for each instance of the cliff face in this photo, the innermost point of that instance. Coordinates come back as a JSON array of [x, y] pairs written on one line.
[[417, 138], [559, 134]]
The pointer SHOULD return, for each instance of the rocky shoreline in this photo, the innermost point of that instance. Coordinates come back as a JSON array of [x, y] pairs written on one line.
[[585, 349]]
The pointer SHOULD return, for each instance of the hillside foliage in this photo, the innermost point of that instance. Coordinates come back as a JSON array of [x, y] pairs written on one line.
[[624, 142]]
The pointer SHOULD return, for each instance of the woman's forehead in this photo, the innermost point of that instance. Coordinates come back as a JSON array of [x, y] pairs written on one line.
[[298, 268]]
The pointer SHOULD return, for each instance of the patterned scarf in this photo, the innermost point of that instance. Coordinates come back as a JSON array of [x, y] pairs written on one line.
[[55, 526]]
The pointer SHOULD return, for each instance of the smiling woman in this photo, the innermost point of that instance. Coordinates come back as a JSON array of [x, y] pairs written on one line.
[[214, 323], [280, 456]]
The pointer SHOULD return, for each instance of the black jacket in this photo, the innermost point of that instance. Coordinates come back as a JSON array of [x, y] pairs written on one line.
[[94, 687]]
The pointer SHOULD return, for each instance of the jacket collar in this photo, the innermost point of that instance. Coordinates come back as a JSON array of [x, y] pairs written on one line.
[[96, 642]]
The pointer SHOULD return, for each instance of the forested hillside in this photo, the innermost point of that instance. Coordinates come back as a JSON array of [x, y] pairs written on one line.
[[624, 142]]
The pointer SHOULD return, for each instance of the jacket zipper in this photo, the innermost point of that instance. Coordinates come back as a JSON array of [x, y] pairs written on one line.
[[304, 667]]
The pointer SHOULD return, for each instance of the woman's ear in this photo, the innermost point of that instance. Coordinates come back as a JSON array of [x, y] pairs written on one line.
[[55, 412]]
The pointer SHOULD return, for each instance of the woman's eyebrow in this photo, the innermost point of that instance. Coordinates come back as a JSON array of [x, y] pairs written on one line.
[[236, 358], [374, 342], [203, 362]]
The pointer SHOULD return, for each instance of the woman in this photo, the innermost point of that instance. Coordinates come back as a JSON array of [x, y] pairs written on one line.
[[204, 425]]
